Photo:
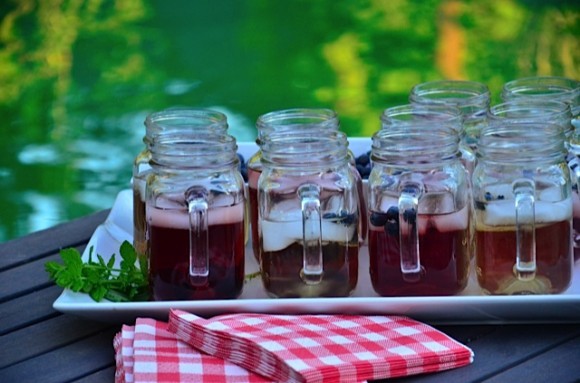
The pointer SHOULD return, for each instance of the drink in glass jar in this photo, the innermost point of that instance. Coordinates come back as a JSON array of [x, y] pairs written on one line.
[[547, 90], [497, 240], [295, 121], [282, 249], [195, 214], [253, 176], [419, 211], [444, 240], [309, 217], [558, 114], [159, 124], [523, 209], [170, 277]]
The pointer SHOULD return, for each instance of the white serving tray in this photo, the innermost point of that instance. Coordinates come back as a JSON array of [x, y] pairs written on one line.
[[469, 307]]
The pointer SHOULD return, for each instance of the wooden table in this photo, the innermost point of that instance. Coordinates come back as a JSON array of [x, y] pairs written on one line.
[[39, 344]]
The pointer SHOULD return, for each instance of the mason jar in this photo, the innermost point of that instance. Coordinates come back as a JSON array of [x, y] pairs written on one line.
[[549, 89], [544, 88], [419, 211], [170, 121], [308, 216], [430, 115], [471, 97], [295, 121], [195, 208], [523, 209]]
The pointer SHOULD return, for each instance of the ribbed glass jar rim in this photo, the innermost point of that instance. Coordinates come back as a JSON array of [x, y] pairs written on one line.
[[410, 114], [543, 88], [522, 143], [469, 96], [415, 144], [297, 119], [532, 110], [194, 150], [175, 120], [305, 150]]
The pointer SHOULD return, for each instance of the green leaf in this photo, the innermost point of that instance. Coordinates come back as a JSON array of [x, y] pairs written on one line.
[[99, 278], [98, 293], [72, 259], [111, 262], [128, 254]]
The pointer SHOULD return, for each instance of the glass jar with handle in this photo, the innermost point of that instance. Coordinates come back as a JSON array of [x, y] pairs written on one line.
[[545, 91], [419, 211], [523, 209], [169, 121], [294, 121], [470, 97], [308, 216], [195, 208]]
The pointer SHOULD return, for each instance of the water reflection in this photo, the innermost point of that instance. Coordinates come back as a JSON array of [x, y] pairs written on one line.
[[79, 77]]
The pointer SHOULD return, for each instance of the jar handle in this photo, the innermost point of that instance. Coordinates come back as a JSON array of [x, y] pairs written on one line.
[[312, 264], [524, 193], [197, 207], [409, 252]]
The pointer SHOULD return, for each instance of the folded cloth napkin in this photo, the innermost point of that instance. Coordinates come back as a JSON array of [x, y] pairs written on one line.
[[148, 352], [322, 348]]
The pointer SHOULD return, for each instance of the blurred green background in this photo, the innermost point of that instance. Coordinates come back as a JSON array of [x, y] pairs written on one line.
[[77, 78]]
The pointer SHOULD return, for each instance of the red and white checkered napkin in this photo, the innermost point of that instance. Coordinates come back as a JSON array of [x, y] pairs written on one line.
[[148, 352], [322, 348]]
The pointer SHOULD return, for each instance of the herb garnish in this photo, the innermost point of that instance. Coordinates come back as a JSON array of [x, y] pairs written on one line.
[[100, 279]]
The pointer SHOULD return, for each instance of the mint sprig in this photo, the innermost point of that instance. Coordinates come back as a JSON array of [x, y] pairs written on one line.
[[100, 279]]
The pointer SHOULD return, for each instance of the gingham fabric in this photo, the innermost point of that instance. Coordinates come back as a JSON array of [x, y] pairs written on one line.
[[147, 352], [322, 348]]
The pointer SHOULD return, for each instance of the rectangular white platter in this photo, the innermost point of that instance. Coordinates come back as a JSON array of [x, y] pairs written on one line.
[[469, 307]]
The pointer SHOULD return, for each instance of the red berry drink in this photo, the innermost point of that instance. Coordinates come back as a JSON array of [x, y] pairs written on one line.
[[169, 254], [576, 223], [444, 254], [253, 176]]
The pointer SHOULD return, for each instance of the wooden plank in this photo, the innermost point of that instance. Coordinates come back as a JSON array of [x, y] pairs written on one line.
[[67, 363], [467, 333], [41, 243], [25, 279], [501, 349], [105, 375], [559, 364], [28, 309], [44, 337]]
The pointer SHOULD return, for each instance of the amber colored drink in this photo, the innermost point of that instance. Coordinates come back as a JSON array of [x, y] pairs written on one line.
[[169, 258], [281, 271], [444, 257], [496, 257]]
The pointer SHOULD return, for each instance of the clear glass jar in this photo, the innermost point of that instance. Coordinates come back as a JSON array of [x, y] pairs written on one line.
[[195, 208], [308, 216], [548, 89], [532, 110], [170, 121], [429, 115], [304, 120], [523, 209], [419, 212], [472, 98], [543, 88]]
